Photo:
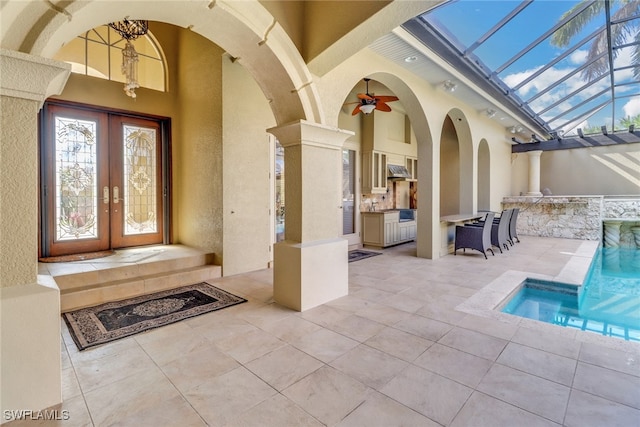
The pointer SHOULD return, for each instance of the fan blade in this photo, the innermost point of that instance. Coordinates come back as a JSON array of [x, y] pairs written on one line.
[[365, 96], [387, 98], [356, 110], [381, 106], [350, 103]]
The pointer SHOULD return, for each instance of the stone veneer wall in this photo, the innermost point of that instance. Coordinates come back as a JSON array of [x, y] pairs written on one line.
[[575, 217], [571, 217]]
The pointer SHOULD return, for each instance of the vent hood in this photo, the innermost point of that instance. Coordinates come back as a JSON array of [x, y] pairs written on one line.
[[398, 173]]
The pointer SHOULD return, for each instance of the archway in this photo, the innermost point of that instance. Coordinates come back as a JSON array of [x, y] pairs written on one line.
[[414, 101], [456, 170], [246, 30]]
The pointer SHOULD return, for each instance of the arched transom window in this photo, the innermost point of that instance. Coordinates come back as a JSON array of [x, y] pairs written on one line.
[[98, 53]]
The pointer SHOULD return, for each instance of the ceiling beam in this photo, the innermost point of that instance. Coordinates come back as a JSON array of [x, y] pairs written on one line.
[[627, 137]]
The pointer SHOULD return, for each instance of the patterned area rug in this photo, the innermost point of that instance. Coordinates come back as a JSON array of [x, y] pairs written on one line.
[[359, 254], [110, 321]]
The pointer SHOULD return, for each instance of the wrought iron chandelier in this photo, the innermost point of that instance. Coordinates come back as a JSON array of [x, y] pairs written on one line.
[[130, 30]]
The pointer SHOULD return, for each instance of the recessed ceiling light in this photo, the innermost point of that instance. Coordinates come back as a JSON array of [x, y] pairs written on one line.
[[411, 59]]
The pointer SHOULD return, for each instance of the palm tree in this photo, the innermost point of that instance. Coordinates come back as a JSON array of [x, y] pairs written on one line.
[[620, 34], [630, 120]]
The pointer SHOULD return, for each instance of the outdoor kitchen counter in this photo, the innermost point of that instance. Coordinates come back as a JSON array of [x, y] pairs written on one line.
[[386, 228]]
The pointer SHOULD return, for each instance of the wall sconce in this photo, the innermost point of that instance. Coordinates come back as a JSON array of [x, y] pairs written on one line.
[[490, 112], [515, 129], [449, 86]]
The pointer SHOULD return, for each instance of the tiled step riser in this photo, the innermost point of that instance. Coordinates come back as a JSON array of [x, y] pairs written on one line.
[[97, 277], [71, 300]]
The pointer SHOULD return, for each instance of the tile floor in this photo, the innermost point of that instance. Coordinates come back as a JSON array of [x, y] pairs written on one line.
[[395, 352]]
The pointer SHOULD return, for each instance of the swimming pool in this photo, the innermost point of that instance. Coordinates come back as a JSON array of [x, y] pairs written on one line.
[[607, 303]]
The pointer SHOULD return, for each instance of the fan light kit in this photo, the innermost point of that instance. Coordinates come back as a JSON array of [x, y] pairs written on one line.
[[369, 102]]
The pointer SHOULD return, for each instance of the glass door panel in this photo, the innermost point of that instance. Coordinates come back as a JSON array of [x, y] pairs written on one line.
[[140, 183], [350, 208], [75, 182], [348, 191], [136, 178], [279, 191]]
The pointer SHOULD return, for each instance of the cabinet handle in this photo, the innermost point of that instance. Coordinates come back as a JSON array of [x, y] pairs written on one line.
[[116, 194]]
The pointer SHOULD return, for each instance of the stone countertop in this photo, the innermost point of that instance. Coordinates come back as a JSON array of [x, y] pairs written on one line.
[[389, 210]]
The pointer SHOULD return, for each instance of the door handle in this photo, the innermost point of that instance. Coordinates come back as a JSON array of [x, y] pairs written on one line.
[[105, 195], [116, 194]]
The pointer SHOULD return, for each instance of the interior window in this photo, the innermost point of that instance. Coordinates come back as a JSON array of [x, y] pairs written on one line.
[[98, 53]]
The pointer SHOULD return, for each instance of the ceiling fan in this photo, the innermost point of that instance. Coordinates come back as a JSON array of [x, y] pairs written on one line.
[[368, 102]]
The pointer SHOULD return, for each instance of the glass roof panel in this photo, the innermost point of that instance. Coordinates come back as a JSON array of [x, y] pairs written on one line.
[[554, 56], [522, 32], [464, 22]]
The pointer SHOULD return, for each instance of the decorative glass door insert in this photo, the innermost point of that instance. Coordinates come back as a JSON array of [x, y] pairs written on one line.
[[101, 179], [76, 179], [140, 184]]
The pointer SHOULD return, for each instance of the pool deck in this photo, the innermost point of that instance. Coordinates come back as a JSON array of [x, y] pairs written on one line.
[[398, 350]]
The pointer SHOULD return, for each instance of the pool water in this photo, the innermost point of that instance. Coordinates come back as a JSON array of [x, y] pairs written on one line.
[[608, 303]]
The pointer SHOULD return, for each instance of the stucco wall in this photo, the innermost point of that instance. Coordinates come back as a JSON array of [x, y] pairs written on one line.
[[198, 146], [19, 198], [610, 170]]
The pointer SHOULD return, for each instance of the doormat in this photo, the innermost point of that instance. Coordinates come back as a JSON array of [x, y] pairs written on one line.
[[359, 254], [111, 321], [77, 257]]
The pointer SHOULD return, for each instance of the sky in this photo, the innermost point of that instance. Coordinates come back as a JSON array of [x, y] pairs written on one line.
[[466, 21]]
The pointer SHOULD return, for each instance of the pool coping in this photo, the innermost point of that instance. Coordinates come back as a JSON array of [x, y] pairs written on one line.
[[489, 300]]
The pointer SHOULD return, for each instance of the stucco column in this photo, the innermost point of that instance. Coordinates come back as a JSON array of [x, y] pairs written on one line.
[[29, 304], [311, 264], [534, 173]]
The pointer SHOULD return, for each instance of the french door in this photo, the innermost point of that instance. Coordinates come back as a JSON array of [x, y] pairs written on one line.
[[103, 184], [350, 210]]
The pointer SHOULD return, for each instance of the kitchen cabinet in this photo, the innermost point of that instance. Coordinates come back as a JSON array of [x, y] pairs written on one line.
[[384, 228], [412, 166], [374, 172]]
